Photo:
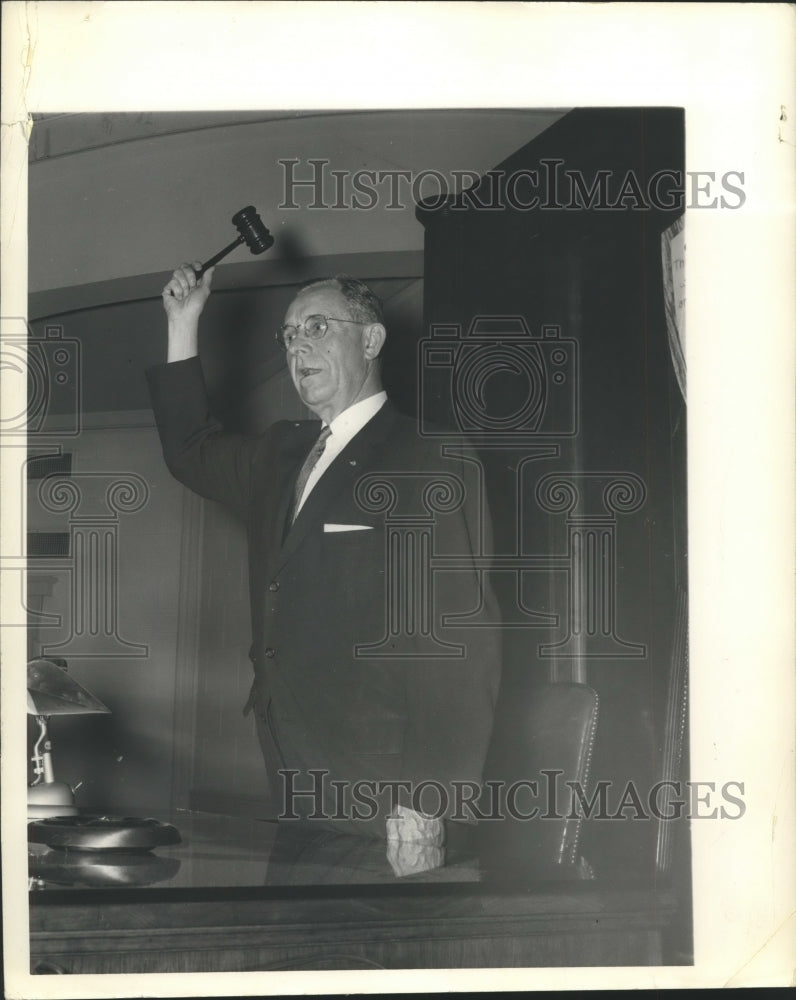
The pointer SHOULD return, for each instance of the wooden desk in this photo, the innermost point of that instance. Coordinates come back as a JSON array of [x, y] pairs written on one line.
[[244, 899]]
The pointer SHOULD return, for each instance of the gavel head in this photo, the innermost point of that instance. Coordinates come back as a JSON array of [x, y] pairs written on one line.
[[251, 228]]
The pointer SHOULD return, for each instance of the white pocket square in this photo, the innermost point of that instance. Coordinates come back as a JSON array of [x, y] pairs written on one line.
[[348, 527]]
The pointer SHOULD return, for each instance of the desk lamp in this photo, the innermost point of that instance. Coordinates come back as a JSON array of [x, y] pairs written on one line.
[[51, 691]]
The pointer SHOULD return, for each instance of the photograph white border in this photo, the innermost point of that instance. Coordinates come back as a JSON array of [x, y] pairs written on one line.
[[731, 66]]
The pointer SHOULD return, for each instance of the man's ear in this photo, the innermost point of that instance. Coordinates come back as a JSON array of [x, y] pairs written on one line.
[[375, 335]]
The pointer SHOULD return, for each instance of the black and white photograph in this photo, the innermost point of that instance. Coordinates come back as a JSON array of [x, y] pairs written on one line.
[[354, 559]]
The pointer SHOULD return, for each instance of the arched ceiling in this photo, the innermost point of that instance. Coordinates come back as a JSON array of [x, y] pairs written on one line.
[[113, 197], [116, 201]]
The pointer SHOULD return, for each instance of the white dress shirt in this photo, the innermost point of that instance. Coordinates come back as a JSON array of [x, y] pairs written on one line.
[[344, 426]]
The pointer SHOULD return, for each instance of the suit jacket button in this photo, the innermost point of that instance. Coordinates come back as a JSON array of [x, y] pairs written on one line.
[[270, 653], [273, 585]]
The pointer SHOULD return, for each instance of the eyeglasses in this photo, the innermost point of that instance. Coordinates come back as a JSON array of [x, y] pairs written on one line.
[[314, 328]]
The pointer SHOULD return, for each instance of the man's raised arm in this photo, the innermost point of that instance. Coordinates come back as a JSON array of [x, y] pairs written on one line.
[[196, 449], [184, 299]]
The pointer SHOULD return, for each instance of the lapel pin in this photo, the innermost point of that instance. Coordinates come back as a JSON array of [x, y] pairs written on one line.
[[352, 461]]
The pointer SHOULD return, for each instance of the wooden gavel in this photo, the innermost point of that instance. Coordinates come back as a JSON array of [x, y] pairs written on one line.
[[252, 232]]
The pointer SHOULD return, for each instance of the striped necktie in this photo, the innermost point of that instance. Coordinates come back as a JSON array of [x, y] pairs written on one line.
[[306, 470]]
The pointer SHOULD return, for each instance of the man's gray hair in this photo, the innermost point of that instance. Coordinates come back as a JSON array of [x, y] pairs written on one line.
[[363, 304]]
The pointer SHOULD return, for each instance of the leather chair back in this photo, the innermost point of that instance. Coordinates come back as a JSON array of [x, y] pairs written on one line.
[[562, 724], [551, 747]]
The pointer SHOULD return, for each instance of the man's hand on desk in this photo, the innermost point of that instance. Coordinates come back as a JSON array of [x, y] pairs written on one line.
[[414, 842]]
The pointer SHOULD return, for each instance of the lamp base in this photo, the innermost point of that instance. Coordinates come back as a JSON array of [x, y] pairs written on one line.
[[50, 798]]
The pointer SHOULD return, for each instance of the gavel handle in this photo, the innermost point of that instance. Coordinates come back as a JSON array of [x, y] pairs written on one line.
[[219, 256]]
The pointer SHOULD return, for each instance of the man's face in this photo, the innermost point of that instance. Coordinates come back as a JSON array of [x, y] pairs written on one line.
[[329, 374]]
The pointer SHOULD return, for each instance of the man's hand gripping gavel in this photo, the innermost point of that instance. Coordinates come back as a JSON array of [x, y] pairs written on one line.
[[184, 296]]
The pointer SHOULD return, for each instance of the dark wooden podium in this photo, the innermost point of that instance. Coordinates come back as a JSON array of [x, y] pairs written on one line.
[[240, 901]]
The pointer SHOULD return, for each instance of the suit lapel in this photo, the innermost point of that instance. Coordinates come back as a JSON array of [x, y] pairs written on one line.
[[293, 453], [343, 473]]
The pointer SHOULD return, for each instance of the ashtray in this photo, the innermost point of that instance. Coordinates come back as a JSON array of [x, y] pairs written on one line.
[[102, 833], [100, 868]]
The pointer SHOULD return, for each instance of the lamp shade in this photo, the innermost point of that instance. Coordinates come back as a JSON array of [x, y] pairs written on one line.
[[51, 691]]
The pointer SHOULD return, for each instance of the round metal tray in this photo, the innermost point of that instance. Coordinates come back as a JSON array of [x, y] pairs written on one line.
[[57, 867], [102, 833]]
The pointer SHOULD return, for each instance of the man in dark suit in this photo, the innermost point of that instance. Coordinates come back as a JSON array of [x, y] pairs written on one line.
[[357, 679]]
